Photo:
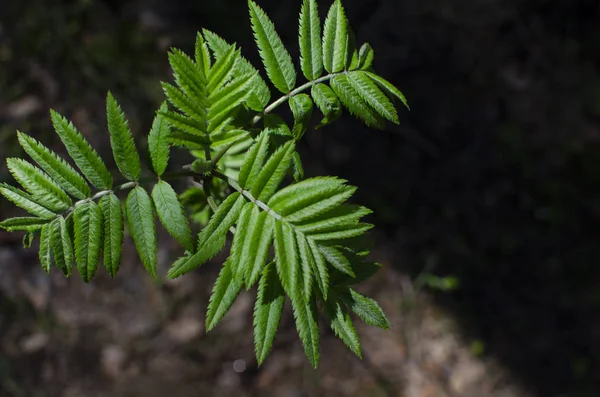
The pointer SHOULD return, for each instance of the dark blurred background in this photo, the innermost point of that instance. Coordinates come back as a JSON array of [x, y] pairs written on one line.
[[486, 202]]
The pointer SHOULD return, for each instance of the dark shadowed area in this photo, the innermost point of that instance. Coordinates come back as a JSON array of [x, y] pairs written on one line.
[[486, 203]]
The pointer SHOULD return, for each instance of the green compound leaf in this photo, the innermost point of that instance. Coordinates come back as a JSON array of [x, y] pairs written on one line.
[[112, 215], [86, 158], [56, 167], [142, 226], [87, 223], [311, 52], [267, 312], [121, 140], [171, 214], [277, 61]]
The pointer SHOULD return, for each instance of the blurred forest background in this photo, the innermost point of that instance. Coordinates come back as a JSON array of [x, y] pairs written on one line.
[[486, 200]]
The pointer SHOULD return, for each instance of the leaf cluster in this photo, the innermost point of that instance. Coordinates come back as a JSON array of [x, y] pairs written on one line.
[[294, 238]]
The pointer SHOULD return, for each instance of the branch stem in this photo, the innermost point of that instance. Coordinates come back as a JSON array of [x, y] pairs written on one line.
[[295, 91]]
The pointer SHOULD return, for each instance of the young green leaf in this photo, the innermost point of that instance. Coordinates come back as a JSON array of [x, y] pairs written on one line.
[[267, 312], [309, 198], [158, 142], [56, 167], [202, 57], [320, 268], [388, 88], [112, 216], [307, 264], [193, 109], [142, 226], [297, 166], [311, 51], [355, 104], [372, 95], [260, 95], [25, 201], [227, 99], [121, 140], [29, 224], [305, 315], [367, 309], [337, 259], [45, 252], [286, 256], [333, 220], [327, 102], [239, 239], [41, 187], [273, 172], [212, 238], [254, 161], [335, 39], [277, 61], [183, 123], [302, 107], [256, 246], [61, 244], [225, 291], [188, 76], [171, 214], [342, 325], [223, 69], [87, 223], [365, 57], [86, 158]]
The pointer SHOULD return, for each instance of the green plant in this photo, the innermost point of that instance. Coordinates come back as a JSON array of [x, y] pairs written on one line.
[[302, 241]]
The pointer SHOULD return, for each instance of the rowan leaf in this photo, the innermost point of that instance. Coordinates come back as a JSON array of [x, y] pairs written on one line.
[[112, 216], [86, 158], [158, 142], [56, 167], [121, 140], [267, 312], [142, 227], [277, 61], [171, 214], [311, 52], [87, 224], [225, 291]]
